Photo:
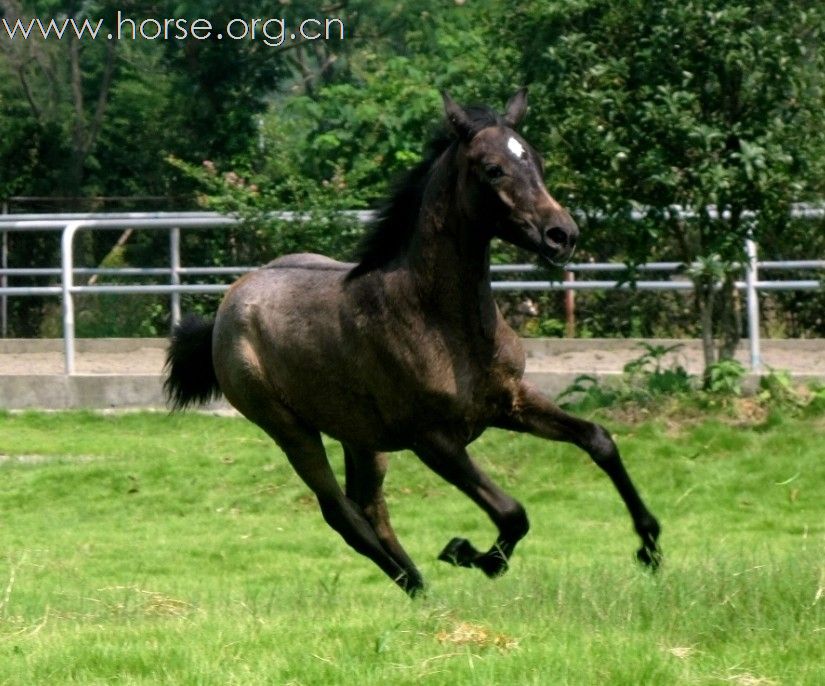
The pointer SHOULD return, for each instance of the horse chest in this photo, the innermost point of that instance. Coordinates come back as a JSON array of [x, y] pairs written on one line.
[[428, 372], [464, 388]]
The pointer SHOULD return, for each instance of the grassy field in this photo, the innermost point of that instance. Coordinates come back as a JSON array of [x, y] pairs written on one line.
[[149, 549]]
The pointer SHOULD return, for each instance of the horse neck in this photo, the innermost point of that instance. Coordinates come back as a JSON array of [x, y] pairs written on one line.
[[449, 256]]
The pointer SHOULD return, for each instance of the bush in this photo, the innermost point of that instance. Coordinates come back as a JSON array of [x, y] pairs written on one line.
[[645, 382]]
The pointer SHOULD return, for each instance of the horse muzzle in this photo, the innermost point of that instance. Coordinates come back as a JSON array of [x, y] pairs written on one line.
[[558, 241]]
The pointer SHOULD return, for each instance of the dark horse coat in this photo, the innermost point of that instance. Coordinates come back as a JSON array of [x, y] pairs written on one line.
[[404, 350]]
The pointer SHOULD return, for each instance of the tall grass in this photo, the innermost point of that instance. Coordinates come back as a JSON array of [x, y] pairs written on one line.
[[149, 549]]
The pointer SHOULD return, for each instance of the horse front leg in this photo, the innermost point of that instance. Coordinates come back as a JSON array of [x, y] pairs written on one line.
[[453, 464], [532, 412]]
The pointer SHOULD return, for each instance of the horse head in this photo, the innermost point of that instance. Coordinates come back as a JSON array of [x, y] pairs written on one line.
[[509, 174]]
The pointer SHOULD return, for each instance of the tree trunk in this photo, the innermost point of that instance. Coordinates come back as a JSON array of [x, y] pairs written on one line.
[[705, 300], [86, 125], [730, 319]]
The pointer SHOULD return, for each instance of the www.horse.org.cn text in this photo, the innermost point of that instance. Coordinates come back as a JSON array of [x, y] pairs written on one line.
[[273, 31]]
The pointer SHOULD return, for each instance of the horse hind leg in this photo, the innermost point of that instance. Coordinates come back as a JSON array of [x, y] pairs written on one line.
[[365, 471], [306, 454], [243, 385], [455, 466]]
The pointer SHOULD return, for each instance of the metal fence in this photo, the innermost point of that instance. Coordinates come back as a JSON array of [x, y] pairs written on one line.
[[68, 226]]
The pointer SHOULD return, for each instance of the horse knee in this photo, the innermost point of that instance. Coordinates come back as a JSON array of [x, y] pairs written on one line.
[[599, 444]]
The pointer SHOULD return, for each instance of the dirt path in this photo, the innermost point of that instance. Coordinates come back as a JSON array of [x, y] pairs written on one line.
[[146, 356], [139, 361], [610, 355]]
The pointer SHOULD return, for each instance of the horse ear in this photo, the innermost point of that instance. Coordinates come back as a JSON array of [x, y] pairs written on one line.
[[516, 107], [457, 118]]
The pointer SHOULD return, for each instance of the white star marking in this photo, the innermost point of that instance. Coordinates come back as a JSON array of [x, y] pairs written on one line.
[[515, 147]]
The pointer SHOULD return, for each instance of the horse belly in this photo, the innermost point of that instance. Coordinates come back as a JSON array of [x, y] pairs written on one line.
[[361, 395]]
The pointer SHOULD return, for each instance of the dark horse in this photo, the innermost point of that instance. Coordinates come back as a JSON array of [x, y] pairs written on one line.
[[404, 350]]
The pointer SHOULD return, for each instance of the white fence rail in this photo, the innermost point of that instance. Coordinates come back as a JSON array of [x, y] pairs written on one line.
[[70, 225]]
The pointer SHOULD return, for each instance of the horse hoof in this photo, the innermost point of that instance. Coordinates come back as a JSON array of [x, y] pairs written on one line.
[[493, 565], [649, 557], [411, 584], [459, 552], [415, 590]]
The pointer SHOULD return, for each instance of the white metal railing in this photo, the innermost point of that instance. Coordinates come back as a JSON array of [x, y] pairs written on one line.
[[70, 225]]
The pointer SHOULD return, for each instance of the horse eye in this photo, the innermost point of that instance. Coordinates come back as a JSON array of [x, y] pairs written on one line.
[[493, 171]]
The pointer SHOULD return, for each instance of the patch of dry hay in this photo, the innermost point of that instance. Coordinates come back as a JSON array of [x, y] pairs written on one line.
[[469, 634]]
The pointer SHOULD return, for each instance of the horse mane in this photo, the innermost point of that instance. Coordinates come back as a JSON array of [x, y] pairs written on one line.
[[389, 234]]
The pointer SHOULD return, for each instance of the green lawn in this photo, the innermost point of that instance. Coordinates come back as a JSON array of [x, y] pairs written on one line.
[[154, 549]]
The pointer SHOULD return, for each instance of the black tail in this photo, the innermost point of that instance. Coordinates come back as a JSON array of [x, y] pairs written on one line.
[[190, 373]]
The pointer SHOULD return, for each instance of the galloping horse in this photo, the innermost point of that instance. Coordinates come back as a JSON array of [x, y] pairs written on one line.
[[405, 349]]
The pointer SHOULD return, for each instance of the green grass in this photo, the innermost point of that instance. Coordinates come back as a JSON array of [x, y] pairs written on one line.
[[149, 549]]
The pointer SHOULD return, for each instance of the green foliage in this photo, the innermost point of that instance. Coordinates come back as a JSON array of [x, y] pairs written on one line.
[[688, 104], [652, 357], [586, 393], [634, 105], [546, 327], [816, 404], [777, 389], [700, 108], [724, 378], [349, 138], [646, 382], [647, 372], [319, 227]]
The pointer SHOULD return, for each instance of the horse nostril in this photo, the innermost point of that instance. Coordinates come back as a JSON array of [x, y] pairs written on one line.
[[559, 236]]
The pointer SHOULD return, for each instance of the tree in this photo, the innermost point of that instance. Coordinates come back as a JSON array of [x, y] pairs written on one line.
[[198, 99], [65, 83], [349, 136], [670, 105]]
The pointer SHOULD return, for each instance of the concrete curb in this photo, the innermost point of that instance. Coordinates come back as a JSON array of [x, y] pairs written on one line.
[[60, 392], [109, 391]]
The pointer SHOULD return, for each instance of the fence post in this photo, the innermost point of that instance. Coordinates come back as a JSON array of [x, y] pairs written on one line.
[[67, 281], [4, 281], [174, 266], [569, 306], [751, 277]]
